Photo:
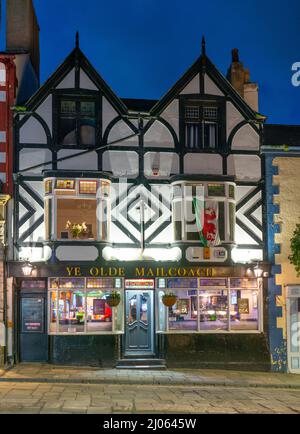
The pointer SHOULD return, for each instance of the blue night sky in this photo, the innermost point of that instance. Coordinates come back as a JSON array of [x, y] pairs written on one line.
[[141, 47]]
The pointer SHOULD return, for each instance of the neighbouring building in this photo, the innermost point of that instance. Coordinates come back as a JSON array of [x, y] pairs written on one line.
[[282, 165], [19, 78], [142, 198]]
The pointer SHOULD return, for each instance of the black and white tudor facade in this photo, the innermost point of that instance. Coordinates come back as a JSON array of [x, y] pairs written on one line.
[[101, 206]]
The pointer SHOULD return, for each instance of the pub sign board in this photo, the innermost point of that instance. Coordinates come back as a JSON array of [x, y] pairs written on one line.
[[32, 314]]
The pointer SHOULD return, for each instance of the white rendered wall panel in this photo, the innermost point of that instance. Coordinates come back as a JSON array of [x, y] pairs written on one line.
[[192, 87], [86, 82], [158, 135], [109, 113], [33, 132], [121, 163], [45, 111], [68, 82], [203, 164], [29, 157], [119, 132], [167, 164], [171, 115], [246, 138], [233, 117], [87, 161], [210, 88], [244, 167]]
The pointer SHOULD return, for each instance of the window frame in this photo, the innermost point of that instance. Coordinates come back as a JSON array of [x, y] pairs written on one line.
[[100, 197], [229, 329], [77, 96], [226, 199], [204, 101], [86, 290]]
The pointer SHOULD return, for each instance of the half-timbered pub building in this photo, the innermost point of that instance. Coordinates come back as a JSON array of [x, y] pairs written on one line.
[[138, 230]]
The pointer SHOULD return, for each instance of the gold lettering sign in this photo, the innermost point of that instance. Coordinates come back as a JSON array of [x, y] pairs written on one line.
[[145, 272]]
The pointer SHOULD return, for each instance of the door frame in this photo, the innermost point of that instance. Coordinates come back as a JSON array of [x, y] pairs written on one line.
[[152, 351]]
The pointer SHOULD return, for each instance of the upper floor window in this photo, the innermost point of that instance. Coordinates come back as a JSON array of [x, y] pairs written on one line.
[[204, 212], [201, 125], [77, 209], [77, 121]]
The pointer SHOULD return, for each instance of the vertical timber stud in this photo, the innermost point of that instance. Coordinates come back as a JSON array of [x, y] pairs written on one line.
[[203, 66], [77, 63]]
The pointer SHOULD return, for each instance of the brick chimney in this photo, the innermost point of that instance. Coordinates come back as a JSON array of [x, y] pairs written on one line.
[[22, 30], [239, 77]]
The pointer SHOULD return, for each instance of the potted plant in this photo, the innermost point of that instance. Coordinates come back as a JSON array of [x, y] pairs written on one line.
[[77, 229], [113, 299], [169, 299]]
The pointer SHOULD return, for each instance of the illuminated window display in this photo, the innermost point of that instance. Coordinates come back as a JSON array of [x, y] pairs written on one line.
[[77, 209], [212, 307], [79, 305]]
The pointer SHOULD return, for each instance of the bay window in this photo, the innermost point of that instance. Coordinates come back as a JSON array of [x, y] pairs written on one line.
[[79, 306], [77, 209], [203, 212]]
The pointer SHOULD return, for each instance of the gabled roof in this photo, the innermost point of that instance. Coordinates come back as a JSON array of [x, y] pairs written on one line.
[[281, 135], [201, 65], [76, 57]]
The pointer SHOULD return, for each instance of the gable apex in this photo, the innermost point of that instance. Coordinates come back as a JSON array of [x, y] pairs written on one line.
[[78, 62], [218, 82]]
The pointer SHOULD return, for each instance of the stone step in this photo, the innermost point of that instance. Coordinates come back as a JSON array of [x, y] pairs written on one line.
[[141, 363]]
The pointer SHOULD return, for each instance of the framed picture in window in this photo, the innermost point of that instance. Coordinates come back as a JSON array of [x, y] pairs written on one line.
[[88, 187], [65, 184]]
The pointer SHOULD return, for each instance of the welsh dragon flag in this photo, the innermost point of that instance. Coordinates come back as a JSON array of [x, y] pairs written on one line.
[[206, 213]]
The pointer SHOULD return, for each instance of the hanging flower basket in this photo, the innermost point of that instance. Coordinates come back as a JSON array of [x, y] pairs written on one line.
[[169, 299], [113, 299]]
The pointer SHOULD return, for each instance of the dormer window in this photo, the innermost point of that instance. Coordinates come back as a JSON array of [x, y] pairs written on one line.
[[201, 125], [77, 121]]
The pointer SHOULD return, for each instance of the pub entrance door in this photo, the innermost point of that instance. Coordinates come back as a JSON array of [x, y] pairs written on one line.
[[139, 326], [32, 329]]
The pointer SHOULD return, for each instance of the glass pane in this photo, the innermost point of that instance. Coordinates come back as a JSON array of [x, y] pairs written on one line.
[[162, 313], [87, 131], [103, 218], [87, 108], [231, 220], [144, 308], [183, 315], [119, 314], [216, 190], [76, 219], [67, 132], [47, 219], [193, 135], [132, 310], [210, 135], [53, 311], [221, 220], [67, 107], [213, 309], [231, 191], [88, 187], [295, 325], [99, 313], [244, 309], [71, 311]]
